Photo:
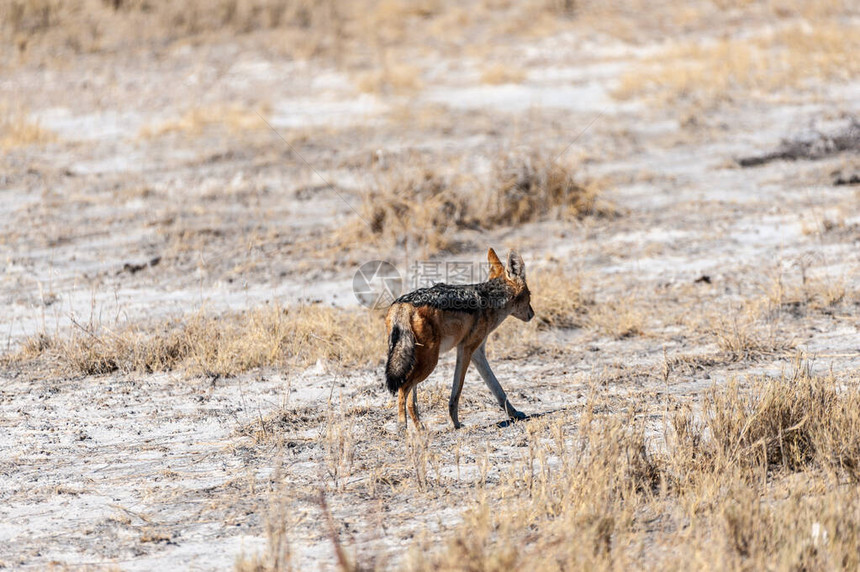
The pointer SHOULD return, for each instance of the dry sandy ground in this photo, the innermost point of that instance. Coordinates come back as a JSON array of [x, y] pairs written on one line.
[[114, 226]]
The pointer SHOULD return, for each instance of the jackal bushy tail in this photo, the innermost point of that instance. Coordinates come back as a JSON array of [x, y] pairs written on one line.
[[401, 352]]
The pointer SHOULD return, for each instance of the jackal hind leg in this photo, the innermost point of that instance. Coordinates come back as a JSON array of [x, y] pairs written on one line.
[[402, 394], [426, 358], [412, 407]]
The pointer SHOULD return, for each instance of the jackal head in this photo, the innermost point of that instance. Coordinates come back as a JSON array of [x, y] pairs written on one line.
[[515, 277]]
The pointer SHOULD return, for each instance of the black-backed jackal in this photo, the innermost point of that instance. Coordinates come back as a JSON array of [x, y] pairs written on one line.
[[430, 321]]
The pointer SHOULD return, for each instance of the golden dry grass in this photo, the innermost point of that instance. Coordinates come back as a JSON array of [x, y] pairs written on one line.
[[232, 343], [766, 324], [501, 73], [353, 34], [820, 293], [395, 79], [365, 33], [635, 21], [217, 345], [618, 318], [559, 298], [18, 130], [530, 187], [193, 122], [750, 482], [424, 208], [743, 335], [762, 473], [413, 206], [95, 25], [731, 69]]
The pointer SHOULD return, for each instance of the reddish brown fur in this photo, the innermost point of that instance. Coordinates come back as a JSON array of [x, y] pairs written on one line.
[[436, 330]]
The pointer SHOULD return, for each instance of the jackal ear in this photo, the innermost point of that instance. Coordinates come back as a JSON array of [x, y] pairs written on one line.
[[496, 267], [516, 266]]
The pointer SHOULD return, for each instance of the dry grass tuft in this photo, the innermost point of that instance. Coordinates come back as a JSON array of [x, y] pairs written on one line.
[[527, 188], [414, 206], [198, 119], [500, 73], [92, 26], [418, 205], [277, 556], [797, 423], [18, 130], [218, 345], [766, 426], [359, 35], [559, 299], [750, 332], [395, 79], [619, 318], [795, 57], [745, 484], [569, 501], [820, 293]]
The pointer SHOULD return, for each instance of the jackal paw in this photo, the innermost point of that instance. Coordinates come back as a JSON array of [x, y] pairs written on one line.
[[517, 415]]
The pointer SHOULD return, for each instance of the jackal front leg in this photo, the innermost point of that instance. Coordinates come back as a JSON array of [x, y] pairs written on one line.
[[479, 358], [463, 355]]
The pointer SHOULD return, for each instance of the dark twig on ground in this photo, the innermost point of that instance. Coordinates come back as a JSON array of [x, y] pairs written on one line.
[[810, 146]]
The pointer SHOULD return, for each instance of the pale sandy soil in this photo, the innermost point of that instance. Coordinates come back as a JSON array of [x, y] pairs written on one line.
[[138, 471]]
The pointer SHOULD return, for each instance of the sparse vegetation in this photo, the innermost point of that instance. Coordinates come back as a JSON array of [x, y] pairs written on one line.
[[332, 29], [804, 293], [741, 336], [795, 57], [691, 372], [217, 345], [196, 120], [95, 26], [397, 79], [17, 129], [594, 493], [501, 73], [527, 188], [419, 206], [619, 318], [560, 299]]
